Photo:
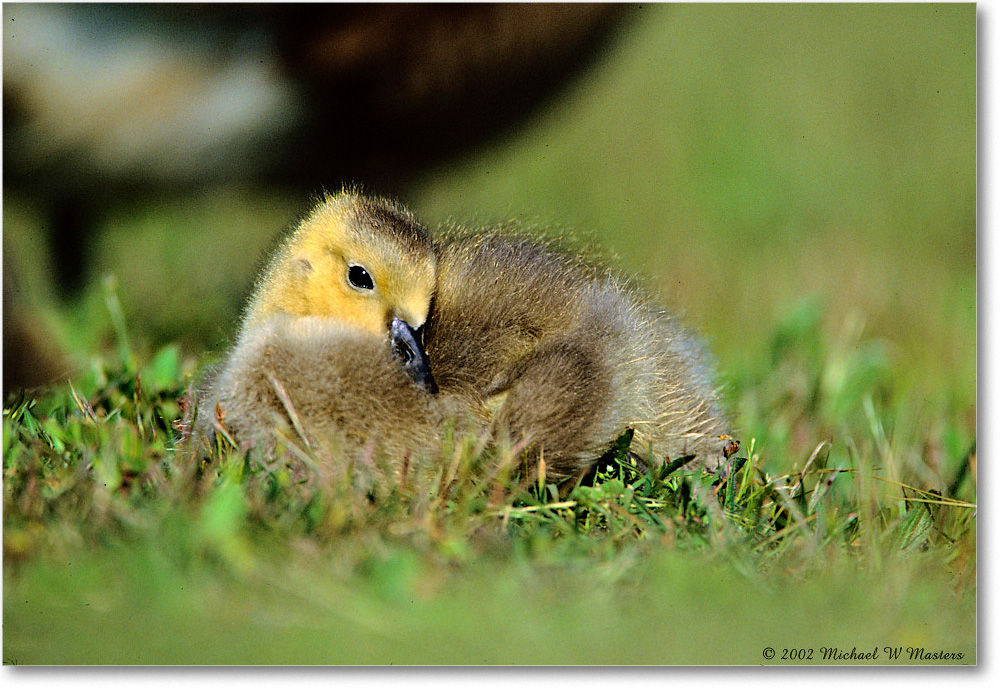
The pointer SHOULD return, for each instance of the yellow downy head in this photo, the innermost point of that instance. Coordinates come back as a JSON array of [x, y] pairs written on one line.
[[363, 263], [358, 261]]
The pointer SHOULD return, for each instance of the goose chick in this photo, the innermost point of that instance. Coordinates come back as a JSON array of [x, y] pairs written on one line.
[[497, 330], [329, 352]]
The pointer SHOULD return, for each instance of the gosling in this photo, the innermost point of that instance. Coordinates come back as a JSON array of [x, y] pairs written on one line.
[[365, 335]]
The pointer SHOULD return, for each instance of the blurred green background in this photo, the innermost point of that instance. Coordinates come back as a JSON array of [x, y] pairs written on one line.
[[743, 157], [768, 163], [747, 156], [749, 160], [774, 172]]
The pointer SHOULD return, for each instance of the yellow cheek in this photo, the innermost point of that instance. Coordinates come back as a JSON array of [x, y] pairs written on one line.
[[344, 305], [370, 317]]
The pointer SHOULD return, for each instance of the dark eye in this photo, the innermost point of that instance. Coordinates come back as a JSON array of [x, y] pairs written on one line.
[[359, 278]]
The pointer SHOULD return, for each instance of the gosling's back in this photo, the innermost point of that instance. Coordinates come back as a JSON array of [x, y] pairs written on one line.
[[567, 354]]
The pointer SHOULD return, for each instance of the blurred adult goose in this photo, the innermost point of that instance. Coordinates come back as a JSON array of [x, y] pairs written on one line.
[[366, 335]]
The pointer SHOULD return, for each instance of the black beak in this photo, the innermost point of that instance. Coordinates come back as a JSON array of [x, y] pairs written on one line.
[[406, 343]]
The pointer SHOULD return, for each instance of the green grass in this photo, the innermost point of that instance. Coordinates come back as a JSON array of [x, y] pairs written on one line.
[[798, 181], [110, 524]]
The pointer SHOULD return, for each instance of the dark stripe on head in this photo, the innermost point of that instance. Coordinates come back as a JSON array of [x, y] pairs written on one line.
[[391, 218]]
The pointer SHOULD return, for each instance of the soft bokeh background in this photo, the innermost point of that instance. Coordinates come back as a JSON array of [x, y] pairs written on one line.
[[768, 165], [756, 163]]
